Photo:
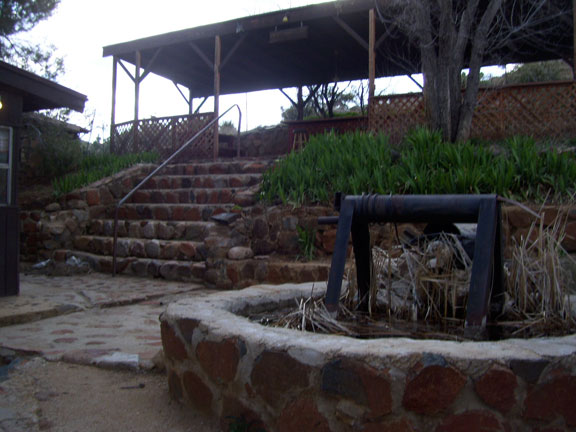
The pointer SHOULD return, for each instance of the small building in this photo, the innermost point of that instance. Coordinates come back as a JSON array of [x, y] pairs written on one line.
[[20, 92]]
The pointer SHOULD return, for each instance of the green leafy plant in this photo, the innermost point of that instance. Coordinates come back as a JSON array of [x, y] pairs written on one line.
[[306, 237], [58, 151], [97, 166], [359, 163]]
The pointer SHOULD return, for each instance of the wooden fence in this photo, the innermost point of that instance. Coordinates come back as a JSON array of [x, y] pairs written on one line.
[[165, 135], [542, 110]]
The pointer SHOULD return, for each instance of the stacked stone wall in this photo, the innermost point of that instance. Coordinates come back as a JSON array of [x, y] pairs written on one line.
[[286, 380], [44, 231]]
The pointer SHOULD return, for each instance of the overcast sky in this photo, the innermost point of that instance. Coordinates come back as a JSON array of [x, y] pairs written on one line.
[[80, 28]]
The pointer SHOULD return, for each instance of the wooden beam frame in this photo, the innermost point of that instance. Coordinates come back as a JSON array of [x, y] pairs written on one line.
[[201, 54], [126, 70], [217, 55], [201, 104], [138, 65], [113, 113], [233, 50], [371, 55], [188, 100], [352, 32], [150, 64], [574, 38], [137, 84]]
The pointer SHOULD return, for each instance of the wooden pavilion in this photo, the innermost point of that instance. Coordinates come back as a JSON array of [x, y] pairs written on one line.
[[329, 42]]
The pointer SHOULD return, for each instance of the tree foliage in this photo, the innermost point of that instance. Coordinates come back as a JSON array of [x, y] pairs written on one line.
[[302, 106], [454, 35], [326, 101], [556, 70], [20, 16]]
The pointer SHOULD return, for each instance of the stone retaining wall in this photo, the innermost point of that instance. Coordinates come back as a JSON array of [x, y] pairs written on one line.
[[285, 380], [44, 231], [274, 230]]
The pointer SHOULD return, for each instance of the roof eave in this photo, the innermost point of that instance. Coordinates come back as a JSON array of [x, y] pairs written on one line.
[[48, 93], [270, 19]]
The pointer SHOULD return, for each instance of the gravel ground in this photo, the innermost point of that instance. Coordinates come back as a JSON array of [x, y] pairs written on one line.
[[36, 395]]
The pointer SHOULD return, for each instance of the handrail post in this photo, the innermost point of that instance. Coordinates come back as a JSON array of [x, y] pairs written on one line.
[[238, 135], [115, 244]]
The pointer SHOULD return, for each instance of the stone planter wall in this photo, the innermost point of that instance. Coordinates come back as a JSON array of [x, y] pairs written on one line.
[[275, 229], [44, 231], [286, 380], [273, 232]]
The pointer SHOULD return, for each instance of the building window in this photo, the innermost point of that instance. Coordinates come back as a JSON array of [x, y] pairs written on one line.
[[5, 165]]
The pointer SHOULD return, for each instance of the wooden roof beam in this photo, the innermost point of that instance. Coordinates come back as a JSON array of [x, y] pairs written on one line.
[[126, 70], [148, 67], [233, 50], [352, 32], [203, 56]]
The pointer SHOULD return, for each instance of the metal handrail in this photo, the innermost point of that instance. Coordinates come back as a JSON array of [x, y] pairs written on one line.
[[162, 165]]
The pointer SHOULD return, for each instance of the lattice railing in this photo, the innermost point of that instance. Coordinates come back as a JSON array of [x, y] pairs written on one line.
[[543, 110], [165, 135], [396, 115]]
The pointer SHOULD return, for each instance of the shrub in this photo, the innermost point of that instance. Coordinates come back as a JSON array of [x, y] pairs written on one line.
[[359, 163], [97, 166], [59, 151]]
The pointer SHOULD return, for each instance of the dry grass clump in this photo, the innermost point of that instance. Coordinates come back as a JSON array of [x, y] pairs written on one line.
[[537, 298], [421, 290]]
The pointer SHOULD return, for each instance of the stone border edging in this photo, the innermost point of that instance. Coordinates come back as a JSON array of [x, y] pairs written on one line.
[[270, 374]]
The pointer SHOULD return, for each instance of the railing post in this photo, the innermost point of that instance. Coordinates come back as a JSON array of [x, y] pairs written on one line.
[[136, 100], [174, 135], [217, 55], [113, 115], [371, 54]]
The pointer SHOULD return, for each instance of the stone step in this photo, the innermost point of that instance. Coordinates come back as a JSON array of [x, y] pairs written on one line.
[[162, 181], [143, 267], [143, 248], [249, 166], [260, 270], [185, 196], [172, 212], [162, 230]]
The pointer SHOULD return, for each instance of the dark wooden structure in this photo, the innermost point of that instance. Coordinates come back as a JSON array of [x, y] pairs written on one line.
[[328, 42], [20, 92]]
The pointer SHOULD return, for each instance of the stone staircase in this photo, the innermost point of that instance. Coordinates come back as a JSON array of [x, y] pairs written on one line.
[[182, 224]]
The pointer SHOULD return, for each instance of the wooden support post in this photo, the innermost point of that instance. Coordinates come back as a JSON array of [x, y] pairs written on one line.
[[136, 99], [190, 102], [113, 114], [372, 55], [217, 55], [137, 84], [574, 38]]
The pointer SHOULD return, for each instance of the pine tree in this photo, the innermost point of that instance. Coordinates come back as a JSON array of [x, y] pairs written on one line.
[[20, 16]]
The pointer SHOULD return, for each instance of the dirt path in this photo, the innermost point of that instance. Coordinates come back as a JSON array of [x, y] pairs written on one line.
[[61, 397]]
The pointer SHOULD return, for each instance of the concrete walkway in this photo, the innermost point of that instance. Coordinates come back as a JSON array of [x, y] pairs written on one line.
[[92, 319]]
